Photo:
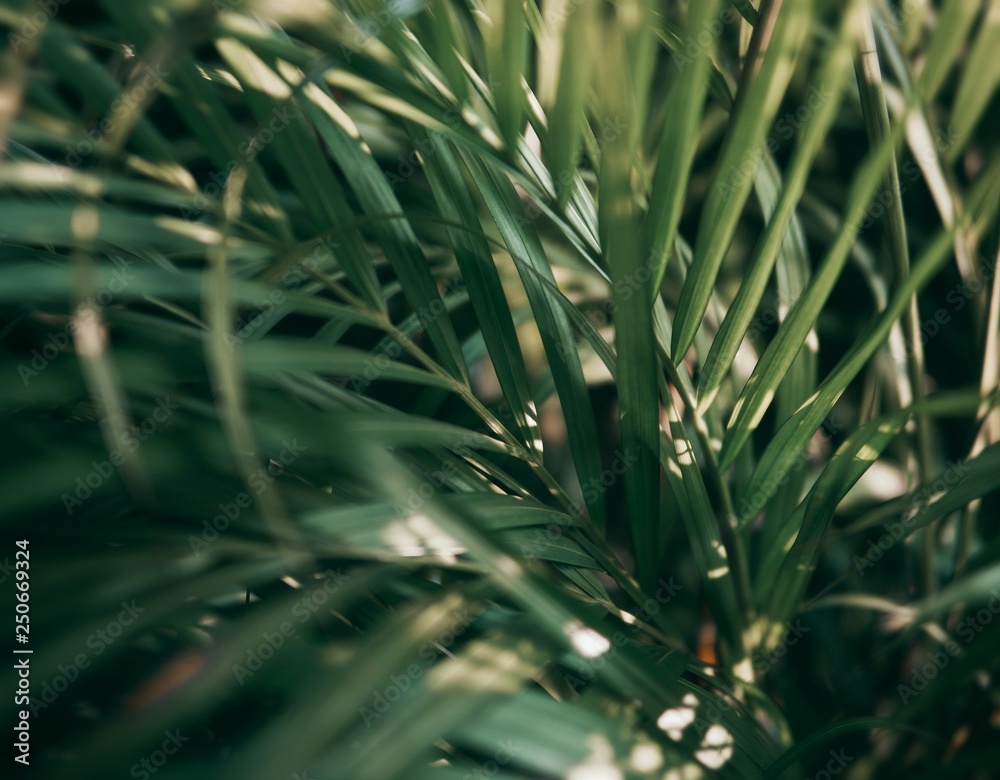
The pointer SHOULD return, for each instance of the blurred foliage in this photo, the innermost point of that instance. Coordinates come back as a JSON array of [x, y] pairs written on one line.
[[478, 389]]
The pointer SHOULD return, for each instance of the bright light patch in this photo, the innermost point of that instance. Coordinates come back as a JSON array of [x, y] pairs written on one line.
[[85, 223], [744, 670], [646, 757], [88, 333], [508, 566], [674, 720], [685, 455], [716, 747], [599, 764], [594, 772], [586, 641], [418, 535], [867, 452], [759, 415], [690, 771]]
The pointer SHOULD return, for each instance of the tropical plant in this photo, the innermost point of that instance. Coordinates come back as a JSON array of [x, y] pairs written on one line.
[[486, 388]]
